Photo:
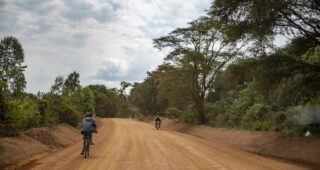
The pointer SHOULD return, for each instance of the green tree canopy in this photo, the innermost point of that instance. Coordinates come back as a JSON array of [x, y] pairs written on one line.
[[201, 50], [144, 95], [12, 79], [57, 87], [72, 84], [262, 19]]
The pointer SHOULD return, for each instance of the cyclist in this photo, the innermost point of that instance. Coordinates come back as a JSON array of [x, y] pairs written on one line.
[[88, 126]]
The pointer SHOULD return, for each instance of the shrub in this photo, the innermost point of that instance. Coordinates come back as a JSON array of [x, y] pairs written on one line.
[[31, 115], [58, 110], [262, 126], [279, 119], [23, 113], [69, 115], [173, 113], [135, 113], [255, 114], [15, 111], [8, 130], [215, 114], [189, 117]]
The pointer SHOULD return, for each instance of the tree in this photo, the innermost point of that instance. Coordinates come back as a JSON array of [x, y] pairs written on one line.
[[57, 88], [262, 19], [12, 79], [166, 87], [144, 95], [86, 100], [72, 84], [124, 85], [174, 87], [108, 103], [200, 50], [3, 107]]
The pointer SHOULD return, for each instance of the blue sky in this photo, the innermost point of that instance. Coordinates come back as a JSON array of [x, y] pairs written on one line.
[[106, 41]]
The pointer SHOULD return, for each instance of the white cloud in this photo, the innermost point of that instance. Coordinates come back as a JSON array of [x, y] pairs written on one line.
[[106, 41]]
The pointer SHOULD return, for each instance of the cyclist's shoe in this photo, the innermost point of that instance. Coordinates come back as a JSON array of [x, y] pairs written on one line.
[[81, 153]]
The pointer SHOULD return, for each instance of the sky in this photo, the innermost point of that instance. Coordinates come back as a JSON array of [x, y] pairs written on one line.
[[105, 41]]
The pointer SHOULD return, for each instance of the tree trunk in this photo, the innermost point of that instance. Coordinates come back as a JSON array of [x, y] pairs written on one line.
[[200, 106]]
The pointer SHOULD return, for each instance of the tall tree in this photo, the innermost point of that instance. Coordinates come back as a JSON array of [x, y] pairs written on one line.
[[144, 95], [124, 85], [174, 87], [107, 101], [72, 84], [12, 79], [167, 86], [200, 50], [57, 87], [86, 100]]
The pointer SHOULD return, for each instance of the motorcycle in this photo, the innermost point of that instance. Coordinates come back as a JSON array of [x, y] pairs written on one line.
[[157, 125]]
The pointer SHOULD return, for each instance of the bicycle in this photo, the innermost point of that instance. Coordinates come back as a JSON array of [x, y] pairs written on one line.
[[86, 144]]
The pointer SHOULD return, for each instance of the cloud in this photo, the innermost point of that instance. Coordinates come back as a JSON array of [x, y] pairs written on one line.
[[106, 41], [113, 69], [77, 11], [132, 69]]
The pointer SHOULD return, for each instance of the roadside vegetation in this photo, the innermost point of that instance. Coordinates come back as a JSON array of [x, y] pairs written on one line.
[[66, 102], [225, 71]]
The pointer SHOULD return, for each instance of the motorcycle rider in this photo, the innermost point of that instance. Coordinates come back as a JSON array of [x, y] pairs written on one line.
[[157, 120], [88, 126]]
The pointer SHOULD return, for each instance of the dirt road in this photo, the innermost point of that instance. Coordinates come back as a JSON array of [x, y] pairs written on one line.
[[128, 144]]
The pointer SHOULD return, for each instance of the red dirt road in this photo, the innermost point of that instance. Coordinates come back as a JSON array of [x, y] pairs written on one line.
[[127, 144]]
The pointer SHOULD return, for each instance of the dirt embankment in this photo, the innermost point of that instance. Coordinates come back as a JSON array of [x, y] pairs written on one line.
[[35, 141], [302, 150]]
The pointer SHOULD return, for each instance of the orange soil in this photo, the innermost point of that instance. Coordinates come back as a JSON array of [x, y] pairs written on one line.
[[127, 144]]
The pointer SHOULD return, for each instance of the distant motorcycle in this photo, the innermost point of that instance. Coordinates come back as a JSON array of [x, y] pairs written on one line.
[[157, 125]]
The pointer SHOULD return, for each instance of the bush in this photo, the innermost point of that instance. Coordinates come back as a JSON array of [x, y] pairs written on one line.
[[190, 117], [173, 113], [215, 114], [135, 113], [31, 117], [256, 114], [15, 112], [8, 130], [69, 115], [262, 126], [187, 116], [279, 119], [49, 119], [23, 113], [57, 110]]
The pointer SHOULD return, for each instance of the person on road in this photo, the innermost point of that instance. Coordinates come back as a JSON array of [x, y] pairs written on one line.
[[157, 120], [88, 126]]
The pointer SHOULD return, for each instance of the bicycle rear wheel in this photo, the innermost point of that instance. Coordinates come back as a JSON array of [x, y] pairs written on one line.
[[86, 148]]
